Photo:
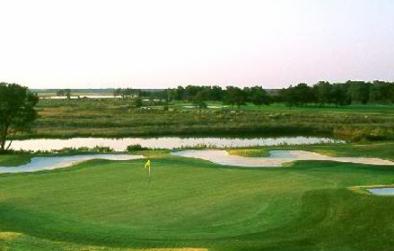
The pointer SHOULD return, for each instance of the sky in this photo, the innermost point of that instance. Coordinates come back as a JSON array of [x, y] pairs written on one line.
[[166, 43]]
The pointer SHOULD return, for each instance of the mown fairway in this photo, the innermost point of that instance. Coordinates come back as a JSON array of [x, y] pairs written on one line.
[[103, 205]]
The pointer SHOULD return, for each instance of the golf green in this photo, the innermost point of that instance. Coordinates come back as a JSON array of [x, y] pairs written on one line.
[[105, 205]]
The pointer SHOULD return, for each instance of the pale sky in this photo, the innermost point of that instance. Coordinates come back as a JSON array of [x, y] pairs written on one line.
[[165, 43]]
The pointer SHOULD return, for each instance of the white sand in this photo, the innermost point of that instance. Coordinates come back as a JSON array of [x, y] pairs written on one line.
[[51, 163], [382, 191], [276, 158]]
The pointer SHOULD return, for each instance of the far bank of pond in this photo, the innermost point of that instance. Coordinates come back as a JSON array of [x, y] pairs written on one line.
[[166, 142]]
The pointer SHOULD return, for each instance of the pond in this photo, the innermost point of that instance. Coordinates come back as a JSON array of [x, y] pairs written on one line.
[[165, 142], [382, 191], [82, 97]]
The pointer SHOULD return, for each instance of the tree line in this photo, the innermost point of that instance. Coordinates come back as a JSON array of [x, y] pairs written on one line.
[[321, 94], [198, 95], [338, 94], [17, 102]]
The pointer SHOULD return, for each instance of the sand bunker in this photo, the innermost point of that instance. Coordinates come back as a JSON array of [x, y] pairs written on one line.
[[51, 163], [276, 158], [383, 191]]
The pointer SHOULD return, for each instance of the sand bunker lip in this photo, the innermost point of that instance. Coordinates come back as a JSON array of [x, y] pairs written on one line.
[[51, 163], [382, 191], [276, 159]]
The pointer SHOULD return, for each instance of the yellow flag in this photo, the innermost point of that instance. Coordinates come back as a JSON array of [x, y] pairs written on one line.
[[147, 164]]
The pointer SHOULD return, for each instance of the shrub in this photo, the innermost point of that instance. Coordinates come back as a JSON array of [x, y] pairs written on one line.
[[135, 147]]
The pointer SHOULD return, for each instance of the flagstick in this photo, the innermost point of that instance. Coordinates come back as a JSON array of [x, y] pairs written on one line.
[[150, 217], [149, 174]]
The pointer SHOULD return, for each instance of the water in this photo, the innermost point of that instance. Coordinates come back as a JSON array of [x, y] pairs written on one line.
[[382, 191], [51, 163], [164, 142], [209, 106], [82, 96]]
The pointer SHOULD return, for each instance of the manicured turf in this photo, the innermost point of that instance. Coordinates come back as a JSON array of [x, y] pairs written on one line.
[[104, 205]]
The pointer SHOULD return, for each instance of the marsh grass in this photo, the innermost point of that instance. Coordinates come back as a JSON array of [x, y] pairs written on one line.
[[119, 118], [262, 152]]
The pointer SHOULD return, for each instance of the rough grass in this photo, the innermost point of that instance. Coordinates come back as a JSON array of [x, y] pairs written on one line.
[[10, 160], [258, 152], [119, 118], [383, 150], [104, 205]]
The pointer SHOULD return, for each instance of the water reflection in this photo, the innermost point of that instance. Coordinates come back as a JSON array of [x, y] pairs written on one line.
[[164, 142]]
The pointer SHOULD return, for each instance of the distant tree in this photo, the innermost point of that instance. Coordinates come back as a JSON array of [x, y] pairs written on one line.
[[67, 93], [117, 92], [339, 95], [164, 97], [64, 92], [16, 111], [128, 92], [288, 96], [216, 93], [257, 96], [60, 93], [191, 91], [179, 93], [171, 94], [303, 94], [200, 98], [300, 94], [234, 96], [359, 91], [323, 92], [380, 92], [138, 102], [391, 93]]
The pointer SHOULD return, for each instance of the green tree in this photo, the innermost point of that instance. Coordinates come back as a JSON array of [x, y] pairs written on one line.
[[67, 93], [288, 96], [359, 91], [234, 96], [303, 94], [200, 98], [257, 96], [16, 111], [117, 92], [191, 91], [138, 102], [391, 93], [323, 92], [216, 93], [60, 93], [339, 94], [380, 92], [64, 92]]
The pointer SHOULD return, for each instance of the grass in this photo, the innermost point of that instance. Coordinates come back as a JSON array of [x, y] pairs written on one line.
[[11, 160], [382, 150], [258, 152], [119, 118], [189, 203]]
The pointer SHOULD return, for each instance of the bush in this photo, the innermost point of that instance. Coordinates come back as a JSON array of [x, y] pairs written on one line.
[[79, 150], [136, 147]]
